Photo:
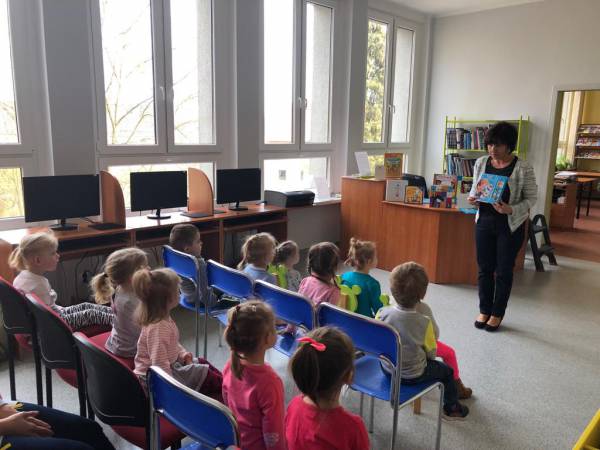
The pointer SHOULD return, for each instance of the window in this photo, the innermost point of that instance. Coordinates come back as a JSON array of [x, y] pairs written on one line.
[[294, 173], [11, 192], [8, 108], [155, 84], [121, 173], [390, 47], [297, 73]]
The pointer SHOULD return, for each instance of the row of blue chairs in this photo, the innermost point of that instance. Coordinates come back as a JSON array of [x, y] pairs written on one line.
[[377, 342]]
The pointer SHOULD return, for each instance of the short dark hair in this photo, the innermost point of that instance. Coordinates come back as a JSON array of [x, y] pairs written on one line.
[[408, 283], [502, 133], [182, 236]]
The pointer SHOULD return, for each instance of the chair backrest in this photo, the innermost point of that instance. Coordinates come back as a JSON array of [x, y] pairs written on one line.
[[182, 264], [16, 313], [55, 337], [368, 335], [289, 306], [200, 417], [114, 391], [228, 280]]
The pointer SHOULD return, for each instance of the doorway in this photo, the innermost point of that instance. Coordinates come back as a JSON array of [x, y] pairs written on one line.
[[575, 191]]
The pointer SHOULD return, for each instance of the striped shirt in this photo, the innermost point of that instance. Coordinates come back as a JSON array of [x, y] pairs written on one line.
[[158, 346]]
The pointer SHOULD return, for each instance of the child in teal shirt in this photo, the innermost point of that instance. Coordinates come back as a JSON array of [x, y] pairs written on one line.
[[362, 256]]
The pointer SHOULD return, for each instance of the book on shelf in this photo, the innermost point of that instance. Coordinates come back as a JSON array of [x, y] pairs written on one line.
[[462, 193], [442, 179], [589, 129], [395, 190], [466, 138], [588, 141], [393, 163], [460, 165], [490, 188], [413, 194], [441, 196]]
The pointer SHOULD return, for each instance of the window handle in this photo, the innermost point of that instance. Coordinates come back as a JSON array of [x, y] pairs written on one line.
[[162, 93]]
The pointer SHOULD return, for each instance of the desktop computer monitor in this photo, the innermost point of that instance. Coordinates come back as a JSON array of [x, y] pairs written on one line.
[[238, 185], [417, 180], [61, 197], [158, 190]]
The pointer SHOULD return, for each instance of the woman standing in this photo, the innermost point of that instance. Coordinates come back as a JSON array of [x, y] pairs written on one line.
[[500, 227]]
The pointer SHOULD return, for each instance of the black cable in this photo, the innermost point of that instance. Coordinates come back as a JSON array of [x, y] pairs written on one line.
[[76, 275]]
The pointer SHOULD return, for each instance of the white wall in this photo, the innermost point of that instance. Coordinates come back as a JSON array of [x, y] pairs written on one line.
[[507, 62]]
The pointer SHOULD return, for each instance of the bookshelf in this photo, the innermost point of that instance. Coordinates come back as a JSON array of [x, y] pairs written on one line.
[[463, 142], [587, 145]]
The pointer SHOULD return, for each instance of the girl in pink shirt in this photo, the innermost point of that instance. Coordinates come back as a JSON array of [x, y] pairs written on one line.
[[251, 388], [158, 345], [319, 286], [315, 420]]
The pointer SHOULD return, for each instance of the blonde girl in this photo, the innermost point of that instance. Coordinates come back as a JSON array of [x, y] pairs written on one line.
[[114, 283], [37, 254], [362, 256], [288, 254], [158, 345], [257, 253], [251, 388]]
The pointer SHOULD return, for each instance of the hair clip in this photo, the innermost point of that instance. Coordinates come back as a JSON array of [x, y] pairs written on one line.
[[318, 346]]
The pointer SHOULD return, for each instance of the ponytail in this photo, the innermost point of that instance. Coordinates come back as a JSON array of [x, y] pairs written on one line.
[[156, 289], [118, 269], [30, 246], [256, 249], [360, 253], [249, 323], [102, 288]]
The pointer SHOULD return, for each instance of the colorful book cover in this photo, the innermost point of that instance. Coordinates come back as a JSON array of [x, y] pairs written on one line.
[[462, 194], [490, 188], [441, 196], [395, 190], [441, 179], [413, 194], [393, 164]]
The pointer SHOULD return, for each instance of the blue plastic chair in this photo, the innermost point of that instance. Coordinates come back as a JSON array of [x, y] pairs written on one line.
[[229, 281], [381, 344], [290, 307], [205, 420]]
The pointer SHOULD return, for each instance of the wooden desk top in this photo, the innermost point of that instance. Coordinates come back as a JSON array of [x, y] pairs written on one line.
[[586, 179], [133, 223], [587, 174], [425, 207]]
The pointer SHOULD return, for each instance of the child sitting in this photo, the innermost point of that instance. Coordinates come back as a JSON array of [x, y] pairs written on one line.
[[362, 256], [158, 345], [408, 283], [115, 283], [323, 363], [185, 238], [251, 388], [319, 286], [37, 254], [288, 254], [257, 253]]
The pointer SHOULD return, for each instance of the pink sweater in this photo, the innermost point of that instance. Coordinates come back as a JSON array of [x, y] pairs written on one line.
[[257, 402], [158, 345], [318, 291]]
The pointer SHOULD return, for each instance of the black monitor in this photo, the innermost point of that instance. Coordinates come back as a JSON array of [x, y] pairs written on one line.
[[238, 185], [158, 190], [62, 198], [417, 180]]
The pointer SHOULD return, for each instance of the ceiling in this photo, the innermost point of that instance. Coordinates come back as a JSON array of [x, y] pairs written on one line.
[[439, 8]]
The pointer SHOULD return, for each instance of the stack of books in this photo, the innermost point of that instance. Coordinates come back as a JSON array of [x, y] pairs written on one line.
[[460, 165], [466, 138]]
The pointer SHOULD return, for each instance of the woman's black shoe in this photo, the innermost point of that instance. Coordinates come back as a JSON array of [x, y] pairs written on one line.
[[492, 328], [480, 325]]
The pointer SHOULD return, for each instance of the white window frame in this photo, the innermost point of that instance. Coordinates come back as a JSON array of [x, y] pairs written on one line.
[[28, 168], [393, 22], [22, 52], [163, 86], [285, 156], [299, 81]]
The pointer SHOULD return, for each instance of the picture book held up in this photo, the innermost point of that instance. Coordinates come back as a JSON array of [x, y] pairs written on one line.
[[490, 188]]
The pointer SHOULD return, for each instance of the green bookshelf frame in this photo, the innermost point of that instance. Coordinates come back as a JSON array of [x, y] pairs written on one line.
[[522, 124]]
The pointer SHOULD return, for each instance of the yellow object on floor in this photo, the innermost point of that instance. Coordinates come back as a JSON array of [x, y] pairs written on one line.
[[590, 438]]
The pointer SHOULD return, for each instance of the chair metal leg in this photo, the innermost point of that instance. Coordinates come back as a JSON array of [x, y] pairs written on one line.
[[362, 401], [38, 373], [81, 392], [220, 333], [90, 411], [206, 317], [48, 387], [371, 414], [438, 436], [417, 406], [394, 425], [10, 350], [197, 348]]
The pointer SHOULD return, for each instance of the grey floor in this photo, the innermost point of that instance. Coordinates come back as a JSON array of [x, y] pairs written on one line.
[[536, 382]]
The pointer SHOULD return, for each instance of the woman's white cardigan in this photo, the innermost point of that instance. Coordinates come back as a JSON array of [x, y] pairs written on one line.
[[523, 190]]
